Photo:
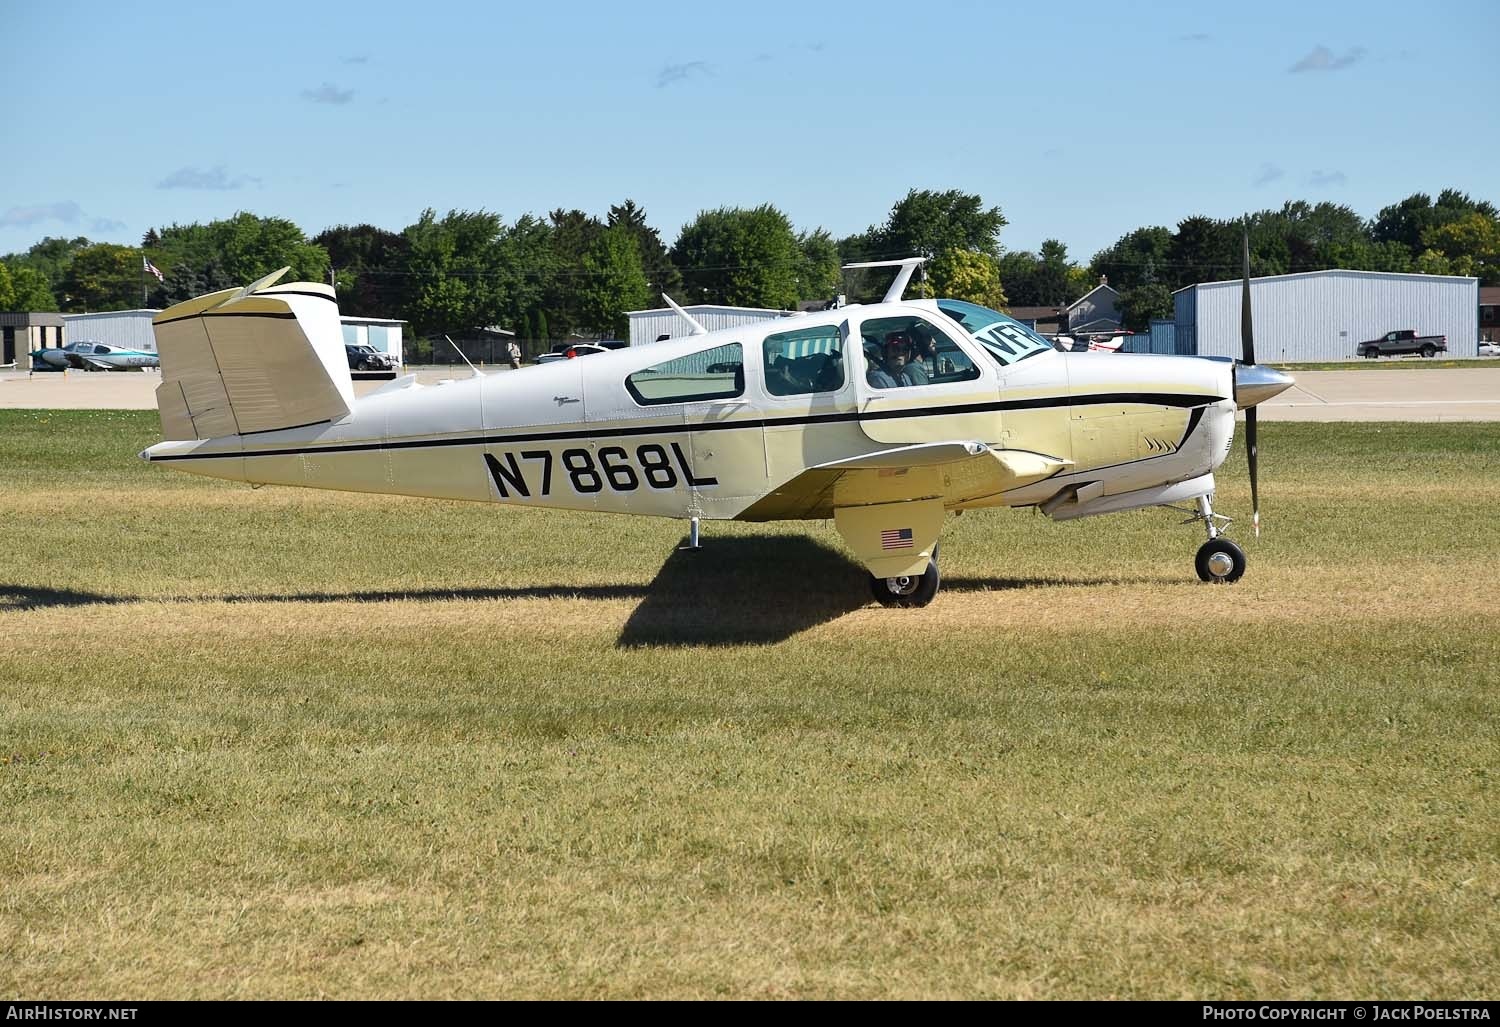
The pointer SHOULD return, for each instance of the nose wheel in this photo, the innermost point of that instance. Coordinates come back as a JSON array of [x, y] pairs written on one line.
[[1219, 561]]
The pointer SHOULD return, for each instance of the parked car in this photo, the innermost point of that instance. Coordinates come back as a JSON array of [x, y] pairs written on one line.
[[1489, 349], [1406, 341], [367, 358]]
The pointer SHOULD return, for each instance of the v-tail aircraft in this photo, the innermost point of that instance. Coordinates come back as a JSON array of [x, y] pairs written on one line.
[[885, 417]]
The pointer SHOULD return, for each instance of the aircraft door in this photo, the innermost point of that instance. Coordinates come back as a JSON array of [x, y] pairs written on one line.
[[726, 471], [644, 452], [920, 383]]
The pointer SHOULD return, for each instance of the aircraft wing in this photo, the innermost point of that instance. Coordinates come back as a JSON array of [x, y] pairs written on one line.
[[91, 364], [956, 473]]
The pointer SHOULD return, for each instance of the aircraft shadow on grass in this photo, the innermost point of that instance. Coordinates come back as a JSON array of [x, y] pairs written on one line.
[[733, 591], [739, 591], [37, 597]]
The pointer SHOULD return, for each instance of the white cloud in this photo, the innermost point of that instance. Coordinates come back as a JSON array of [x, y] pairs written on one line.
[[680, 72], [328, 93], [1322, 59], [66, 211], [201, 178], [1268, 174]]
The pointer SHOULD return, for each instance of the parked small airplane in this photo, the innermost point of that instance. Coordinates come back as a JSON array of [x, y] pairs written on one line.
[[1089, 342], [93, 356], [884, 417]]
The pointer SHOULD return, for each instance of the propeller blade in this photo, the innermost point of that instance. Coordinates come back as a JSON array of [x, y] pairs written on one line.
[[1250, 447], [1247, 340], [1247, 332]]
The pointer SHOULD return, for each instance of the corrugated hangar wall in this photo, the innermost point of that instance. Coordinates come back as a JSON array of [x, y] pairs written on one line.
[[127, 329], [646, 325], [1324, 315]]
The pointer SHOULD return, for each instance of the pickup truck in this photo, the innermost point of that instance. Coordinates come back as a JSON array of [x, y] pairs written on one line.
[[1407, 341]]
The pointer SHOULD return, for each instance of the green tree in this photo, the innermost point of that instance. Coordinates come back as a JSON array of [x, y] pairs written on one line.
[[527, 256], [573, 235], [1051, 280], [613, 282], [233, 252], [1204, 250], [252, 247], [32, 291], [962, 274], [656, 261], [1470, 244], [24, 290], [818, 275], [371, 264], [928, 223], [1139, 256], [104, 276], [1431, 262], [1409, 221], [50, 258], [741, 257], [455, 275], [1018, 273], [1140, 304]]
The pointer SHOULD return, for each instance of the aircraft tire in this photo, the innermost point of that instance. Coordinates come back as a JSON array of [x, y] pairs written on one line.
[[907, 592], [1216, 548]]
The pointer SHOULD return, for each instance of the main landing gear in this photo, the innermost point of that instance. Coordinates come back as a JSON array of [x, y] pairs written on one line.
[[909, 589], [1219, 561]]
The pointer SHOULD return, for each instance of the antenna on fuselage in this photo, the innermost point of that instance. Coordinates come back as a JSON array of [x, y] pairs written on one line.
[[908, 266], [477, 373], [698, 329]]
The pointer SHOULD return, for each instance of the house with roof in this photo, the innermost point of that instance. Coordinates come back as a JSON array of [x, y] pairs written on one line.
[[1097, 310]]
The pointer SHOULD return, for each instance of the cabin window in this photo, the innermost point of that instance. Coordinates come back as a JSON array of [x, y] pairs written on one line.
[[717, 373], [906, 351], [803, 362]]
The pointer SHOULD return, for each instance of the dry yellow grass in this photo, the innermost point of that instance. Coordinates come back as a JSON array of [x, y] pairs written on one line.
[[275, 744]]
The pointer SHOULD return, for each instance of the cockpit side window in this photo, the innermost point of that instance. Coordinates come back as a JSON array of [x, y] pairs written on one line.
[[717, 373], [1003, 338], [901, 352], [804, 362]]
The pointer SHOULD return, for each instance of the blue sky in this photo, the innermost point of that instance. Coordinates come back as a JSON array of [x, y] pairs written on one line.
[[1080, 120]]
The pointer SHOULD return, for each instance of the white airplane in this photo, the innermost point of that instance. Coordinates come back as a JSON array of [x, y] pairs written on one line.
[[93, 356], [1089, 342], [885, 417]]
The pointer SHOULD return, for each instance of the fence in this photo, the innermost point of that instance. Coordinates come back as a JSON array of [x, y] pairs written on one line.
[[489, 350]]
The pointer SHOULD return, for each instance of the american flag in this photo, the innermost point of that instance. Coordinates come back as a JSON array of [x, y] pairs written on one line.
[[154, 270], [896, 538]]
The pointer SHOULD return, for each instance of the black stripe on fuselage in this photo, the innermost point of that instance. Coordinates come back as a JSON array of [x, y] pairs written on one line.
[[680, 428], [294, 292], [228, 313]]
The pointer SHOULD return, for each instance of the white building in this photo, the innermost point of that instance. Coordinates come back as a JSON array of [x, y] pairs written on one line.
[[125, 329], [131, 329], [1324, 315], [648, 326], [381, 333]]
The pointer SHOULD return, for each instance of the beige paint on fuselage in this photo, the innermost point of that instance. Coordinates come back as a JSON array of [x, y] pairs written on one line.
[[567, 435]]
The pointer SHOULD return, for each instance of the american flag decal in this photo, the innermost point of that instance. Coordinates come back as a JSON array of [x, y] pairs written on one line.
[[896, 538]]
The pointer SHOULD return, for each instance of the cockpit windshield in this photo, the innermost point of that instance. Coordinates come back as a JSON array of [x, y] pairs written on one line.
[[1004, 338]]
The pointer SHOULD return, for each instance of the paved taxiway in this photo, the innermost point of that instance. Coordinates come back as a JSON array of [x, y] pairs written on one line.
[[1381, 394]]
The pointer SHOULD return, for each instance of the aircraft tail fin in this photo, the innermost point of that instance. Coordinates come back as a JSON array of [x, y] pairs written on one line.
[[256, 359]]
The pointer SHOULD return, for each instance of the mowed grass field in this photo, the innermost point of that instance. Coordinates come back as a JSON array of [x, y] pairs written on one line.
[[283, 744]]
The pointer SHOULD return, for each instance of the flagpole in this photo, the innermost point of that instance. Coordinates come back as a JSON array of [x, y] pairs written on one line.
[[143, 281]]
